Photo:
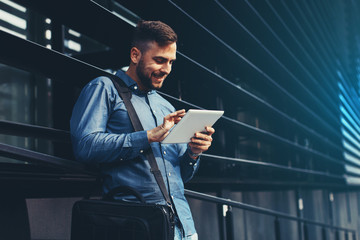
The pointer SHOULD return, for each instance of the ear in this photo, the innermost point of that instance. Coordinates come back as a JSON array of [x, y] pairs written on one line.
[[135, 55]]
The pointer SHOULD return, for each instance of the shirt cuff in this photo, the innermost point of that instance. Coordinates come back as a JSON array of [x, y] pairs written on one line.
[[140, 140], [192, 162]]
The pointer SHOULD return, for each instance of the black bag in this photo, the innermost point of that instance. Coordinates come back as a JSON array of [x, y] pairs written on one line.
[[109, 219], [113, 220]]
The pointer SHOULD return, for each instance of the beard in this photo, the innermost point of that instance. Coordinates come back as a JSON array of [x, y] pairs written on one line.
[[145, 80]]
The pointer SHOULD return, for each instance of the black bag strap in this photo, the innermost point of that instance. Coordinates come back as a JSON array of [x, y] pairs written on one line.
[[125, 94]]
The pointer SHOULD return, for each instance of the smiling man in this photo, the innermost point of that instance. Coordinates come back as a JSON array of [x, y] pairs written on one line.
[[150, 66], [102, 133]]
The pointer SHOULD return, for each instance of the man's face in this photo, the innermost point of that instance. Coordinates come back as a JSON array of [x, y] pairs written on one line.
[[154, 65]]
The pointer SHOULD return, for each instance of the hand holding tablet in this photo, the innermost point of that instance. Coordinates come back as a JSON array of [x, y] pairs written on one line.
[[194, 121]]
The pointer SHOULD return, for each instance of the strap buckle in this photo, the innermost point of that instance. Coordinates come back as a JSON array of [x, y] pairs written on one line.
[[172, 212]]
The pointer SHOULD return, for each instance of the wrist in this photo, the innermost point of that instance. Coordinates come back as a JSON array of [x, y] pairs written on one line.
[[192, 154], [149, 136]]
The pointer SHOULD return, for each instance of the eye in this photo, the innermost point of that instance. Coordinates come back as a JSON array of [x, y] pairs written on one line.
[[159, 60]]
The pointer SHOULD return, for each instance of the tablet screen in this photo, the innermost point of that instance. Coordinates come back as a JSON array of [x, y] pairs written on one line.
[[195, 120]]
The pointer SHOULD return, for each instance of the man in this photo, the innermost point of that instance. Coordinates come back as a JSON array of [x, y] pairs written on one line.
[[102, 133]]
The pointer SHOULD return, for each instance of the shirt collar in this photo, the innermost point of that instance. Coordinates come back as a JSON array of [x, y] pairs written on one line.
[[131, 83]]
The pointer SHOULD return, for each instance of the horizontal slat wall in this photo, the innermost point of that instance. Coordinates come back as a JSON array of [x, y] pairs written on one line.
[[78, 68], [291, 117], [273, 66], [278, 68], [283, 61]]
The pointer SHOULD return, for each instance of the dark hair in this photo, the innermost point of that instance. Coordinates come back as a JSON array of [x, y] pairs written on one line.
[[148, 31]]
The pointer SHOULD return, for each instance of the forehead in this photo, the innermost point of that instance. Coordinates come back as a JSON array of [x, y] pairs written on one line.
[[167, 51]]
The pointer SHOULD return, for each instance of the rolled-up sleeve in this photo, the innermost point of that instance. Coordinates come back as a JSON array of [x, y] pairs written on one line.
[[188, 165]]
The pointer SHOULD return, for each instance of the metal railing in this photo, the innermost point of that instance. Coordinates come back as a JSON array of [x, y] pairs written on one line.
[[229, 219], [27, 130], [73, 166], [34, 157]]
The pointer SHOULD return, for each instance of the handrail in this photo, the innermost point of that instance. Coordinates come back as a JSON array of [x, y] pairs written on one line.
[[248, 207], [25, 155], [271, 165], [28, 130], [36, 157], [44, 132]]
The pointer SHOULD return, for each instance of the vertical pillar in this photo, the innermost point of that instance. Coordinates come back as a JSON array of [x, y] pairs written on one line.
[[277, 229], [299, 212], [323, 233], [306, 232], [229, 222], [62, 95], [221, 218], [337, 236]]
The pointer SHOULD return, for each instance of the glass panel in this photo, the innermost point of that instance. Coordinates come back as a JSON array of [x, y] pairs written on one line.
[[16, 98]]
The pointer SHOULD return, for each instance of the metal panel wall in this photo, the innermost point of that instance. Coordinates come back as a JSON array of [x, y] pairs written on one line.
[[285, 72]]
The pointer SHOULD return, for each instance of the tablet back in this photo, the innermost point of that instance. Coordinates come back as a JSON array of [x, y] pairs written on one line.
[[195, 120]]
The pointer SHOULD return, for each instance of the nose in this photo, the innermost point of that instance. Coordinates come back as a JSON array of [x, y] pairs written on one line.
[[166, 68]]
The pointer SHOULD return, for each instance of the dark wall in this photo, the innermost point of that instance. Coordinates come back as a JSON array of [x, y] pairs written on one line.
[[286, 73]]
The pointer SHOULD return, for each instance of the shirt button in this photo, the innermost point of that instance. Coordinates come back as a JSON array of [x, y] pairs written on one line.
[[154, 111], [191, 163], [172, 196], [135, 87], [169, 174], [121, 159], [164, 152], [141, 151]]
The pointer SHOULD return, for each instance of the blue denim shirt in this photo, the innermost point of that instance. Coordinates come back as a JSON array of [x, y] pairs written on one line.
[[102, 133]]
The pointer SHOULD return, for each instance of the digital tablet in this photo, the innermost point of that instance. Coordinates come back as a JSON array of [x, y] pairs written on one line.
[[194, 121]]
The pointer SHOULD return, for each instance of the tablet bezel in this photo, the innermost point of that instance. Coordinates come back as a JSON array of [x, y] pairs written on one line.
[[195, 120]]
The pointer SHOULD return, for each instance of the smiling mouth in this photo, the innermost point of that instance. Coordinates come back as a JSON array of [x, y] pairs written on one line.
[[159, 77]]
